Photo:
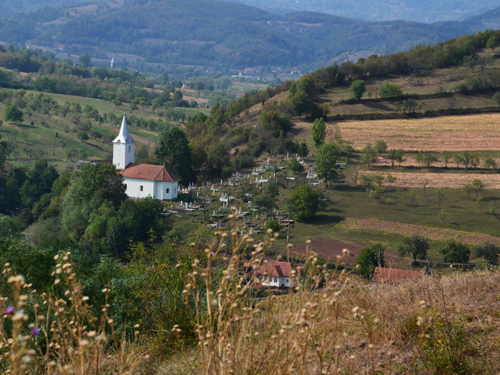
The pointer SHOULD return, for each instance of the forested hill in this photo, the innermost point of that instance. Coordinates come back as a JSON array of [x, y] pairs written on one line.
[[382, 10], [207, 32]]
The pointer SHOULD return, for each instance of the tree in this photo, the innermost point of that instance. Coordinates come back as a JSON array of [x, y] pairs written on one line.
[[3, 153], [488, 251], [490, 163], [390, 90], [174, 152], [303, 150], [319, 132], [416, 246], [326, 162], [295, 166], [380, 147], [82, 136], [85, 60], [447, 156], [369, 154], [88, 190], [13, 114], [456, 252], [492, 42], [358, 88], [368, 259], [477, 185], [426, 158], [274, 225], [303, 203]]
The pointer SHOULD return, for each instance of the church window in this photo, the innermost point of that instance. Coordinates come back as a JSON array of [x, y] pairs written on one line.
[[125, 186], [142, 188], [129, 148], [168, 191]]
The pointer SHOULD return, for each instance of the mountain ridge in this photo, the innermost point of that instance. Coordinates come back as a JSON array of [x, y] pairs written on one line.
[[206, 32]]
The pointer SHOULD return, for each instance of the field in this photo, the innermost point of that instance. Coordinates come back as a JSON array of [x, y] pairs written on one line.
[[436, 234], [450, 133], [440, 180]]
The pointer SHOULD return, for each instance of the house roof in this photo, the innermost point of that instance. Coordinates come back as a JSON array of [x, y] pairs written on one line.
[[275, 269], [124, 135], [148, 172], [394, 275]]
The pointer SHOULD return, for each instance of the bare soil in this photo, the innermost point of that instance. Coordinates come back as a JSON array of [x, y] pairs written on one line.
[[333, 250]]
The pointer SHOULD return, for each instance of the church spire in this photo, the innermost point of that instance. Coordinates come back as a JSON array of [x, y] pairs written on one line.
[[124, 135]]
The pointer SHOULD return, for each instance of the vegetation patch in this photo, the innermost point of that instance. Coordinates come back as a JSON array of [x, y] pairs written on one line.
[[438, 234]]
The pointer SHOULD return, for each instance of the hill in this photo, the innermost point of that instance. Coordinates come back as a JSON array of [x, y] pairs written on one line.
[[207, 32], [410, 10]]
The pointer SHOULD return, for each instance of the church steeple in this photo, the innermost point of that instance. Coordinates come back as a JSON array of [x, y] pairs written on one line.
[[123, 147]]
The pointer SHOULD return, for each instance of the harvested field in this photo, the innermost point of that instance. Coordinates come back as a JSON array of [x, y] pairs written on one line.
[[437, 234], [410, 161], [447, 133], [331, 250], [440, 180]]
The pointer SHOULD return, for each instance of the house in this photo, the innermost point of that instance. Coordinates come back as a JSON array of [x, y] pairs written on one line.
[[141, 180], [275, 274], [395, 276]]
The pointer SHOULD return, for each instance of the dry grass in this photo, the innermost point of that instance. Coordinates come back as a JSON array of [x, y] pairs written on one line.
[[438, 234], [451, 133], [337, 324], [440, 180], [58, 333]]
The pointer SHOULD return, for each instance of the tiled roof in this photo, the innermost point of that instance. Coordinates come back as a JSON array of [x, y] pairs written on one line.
[[275, 269], [394, 275], [148, 172]]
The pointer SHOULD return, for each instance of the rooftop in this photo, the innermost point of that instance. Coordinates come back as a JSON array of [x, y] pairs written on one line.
[[148, 172]]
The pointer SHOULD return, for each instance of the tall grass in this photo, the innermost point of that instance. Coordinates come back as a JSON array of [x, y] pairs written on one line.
[[59, 333], [333, 323]]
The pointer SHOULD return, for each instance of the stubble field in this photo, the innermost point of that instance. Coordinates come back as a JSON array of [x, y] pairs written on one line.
[[450, 133]]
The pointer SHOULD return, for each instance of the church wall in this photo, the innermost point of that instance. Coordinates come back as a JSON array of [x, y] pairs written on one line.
[[161, 190], [134, 188]]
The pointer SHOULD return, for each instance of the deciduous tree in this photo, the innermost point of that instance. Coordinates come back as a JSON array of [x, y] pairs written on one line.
[[13, 114], [304, 203], [416, 246], [358, 88], [319, 132], [326, 162]]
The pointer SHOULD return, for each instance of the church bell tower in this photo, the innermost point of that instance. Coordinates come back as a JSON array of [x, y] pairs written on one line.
[[123, 147]]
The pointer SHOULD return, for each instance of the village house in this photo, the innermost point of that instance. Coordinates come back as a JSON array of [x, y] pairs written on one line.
[[141, 180], [275, 274]]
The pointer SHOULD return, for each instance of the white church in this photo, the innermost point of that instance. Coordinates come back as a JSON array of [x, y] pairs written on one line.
[[141, 180]]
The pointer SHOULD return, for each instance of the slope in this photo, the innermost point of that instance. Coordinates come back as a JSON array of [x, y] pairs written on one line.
[[213, 32]]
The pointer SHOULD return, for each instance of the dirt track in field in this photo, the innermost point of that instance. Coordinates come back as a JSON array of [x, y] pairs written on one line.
[[440, 180], [446, 133], [433, 233]]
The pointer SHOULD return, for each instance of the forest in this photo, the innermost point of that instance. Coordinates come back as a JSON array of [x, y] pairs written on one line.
[[173, 33]]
